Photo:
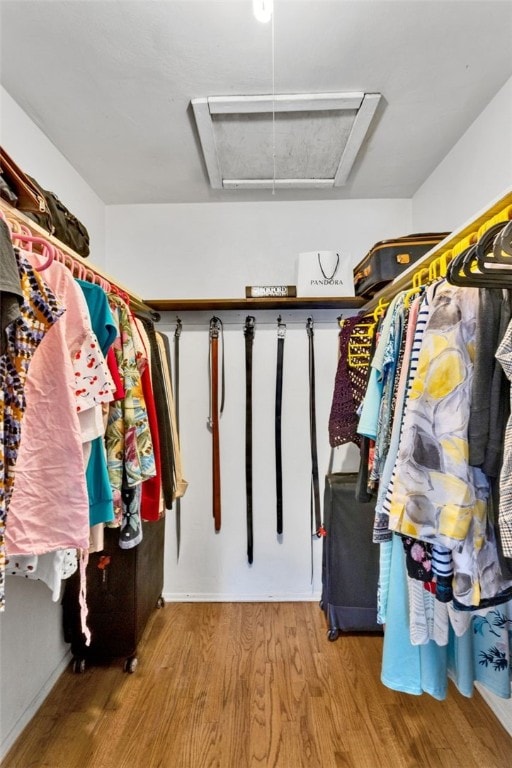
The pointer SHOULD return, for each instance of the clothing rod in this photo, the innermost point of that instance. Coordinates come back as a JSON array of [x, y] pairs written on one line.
[[267, 318], [136, 302]]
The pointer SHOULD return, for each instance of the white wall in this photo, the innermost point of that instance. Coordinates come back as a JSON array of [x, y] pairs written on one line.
[[474, 173], [26, 143], [205, 251], [30, 667], [214, 250]]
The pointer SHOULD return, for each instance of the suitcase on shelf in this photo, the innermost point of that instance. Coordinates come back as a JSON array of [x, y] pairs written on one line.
[[389, 258], [124, 586], [350, 560]]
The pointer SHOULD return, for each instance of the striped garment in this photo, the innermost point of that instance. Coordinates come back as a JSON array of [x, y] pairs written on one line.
[[418, 317]]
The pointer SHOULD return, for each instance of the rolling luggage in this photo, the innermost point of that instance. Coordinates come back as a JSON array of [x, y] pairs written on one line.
[[389, 258], [350, 560], [124, 586]]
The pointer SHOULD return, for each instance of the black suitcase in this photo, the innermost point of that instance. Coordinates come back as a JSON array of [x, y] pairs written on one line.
[[350, 560], [124, 586], [389, 258]]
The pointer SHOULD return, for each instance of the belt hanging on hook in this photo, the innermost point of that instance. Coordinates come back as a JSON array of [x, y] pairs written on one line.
[[281, 333], [316, 521], [216, 329], [177, 334], [249, 339]]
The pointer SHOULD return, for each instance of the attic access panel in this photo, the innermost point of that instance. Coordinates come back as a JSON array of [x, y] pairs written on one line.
[[317, 138]]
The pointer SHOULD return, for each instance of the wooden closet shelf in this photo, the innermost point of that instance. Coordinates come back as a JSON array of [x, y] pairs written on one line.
[[194, 305]]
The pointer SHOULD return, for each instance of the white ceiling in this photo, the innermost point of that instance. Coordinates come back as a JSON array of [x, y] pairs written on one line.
[[110, 82]]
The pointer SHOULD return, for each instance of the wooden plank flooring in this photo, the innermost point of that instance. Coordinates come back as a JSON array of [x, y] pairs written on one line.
[[246, 685]]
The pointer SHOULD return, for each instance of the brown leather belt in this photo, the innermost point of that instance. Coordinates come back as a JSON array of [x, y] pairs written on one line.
[[215, 411]]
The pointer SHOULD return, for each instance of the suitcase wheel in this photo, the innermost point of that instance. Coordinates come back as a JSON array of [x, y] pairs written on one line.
[[78, 666], [160, 602], [333, 634], [130, 664]]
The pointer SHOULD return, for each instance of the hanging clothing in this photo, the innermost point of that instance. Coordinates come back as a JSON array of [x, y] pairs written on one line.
[[50, 508], [101, 506], [381, 530], [151, 505], [369, 418], [158, 362], [180, 485], [128, 439], [480, 651], [436, 491], [11, 292], [343, 417], [504, 356], [442, 592], [39, 311]]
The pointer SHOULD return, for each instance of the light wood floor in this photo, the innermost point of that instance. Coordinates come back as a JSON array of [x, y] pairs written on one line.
[[248, 684]]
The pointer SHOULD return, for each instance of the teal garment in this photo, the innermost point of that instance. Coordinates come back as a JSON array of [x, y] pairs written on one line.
[[102, 320], [385, 551], [490, 638], [482, 654], [369, 417], [414, 669], [101, 505], [370, 412]]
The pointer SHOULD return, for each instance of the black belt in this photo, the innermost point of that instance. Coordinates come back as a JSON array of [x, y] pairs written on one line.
[[215, 411], [316, 517], [177, 334], [281, 332], [249, 338]]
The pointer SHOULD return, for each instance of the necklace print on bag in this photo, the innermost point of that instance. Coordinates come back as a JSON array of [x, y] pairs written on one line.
[[329, 277]]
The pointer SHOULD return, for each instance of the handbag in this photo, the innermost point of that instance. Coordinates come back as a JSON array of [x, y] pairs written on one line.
[[22, 194], [42, 206], [60, 222]]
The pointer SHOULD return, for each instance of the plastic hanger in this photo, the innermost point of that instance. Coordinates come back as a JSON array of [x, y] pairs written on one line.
[[122, 295], [474, 266], [418, 285], [486, 252], [503, 244], [47, 250]]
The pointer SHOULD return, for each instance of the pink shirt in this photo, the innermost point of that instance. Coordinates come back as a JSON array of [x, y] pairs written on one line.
[[50, 508]]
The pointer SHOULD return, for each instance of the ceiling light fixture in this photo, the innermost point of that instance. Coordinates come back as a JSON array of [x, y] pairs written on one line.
[[262, 10]]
